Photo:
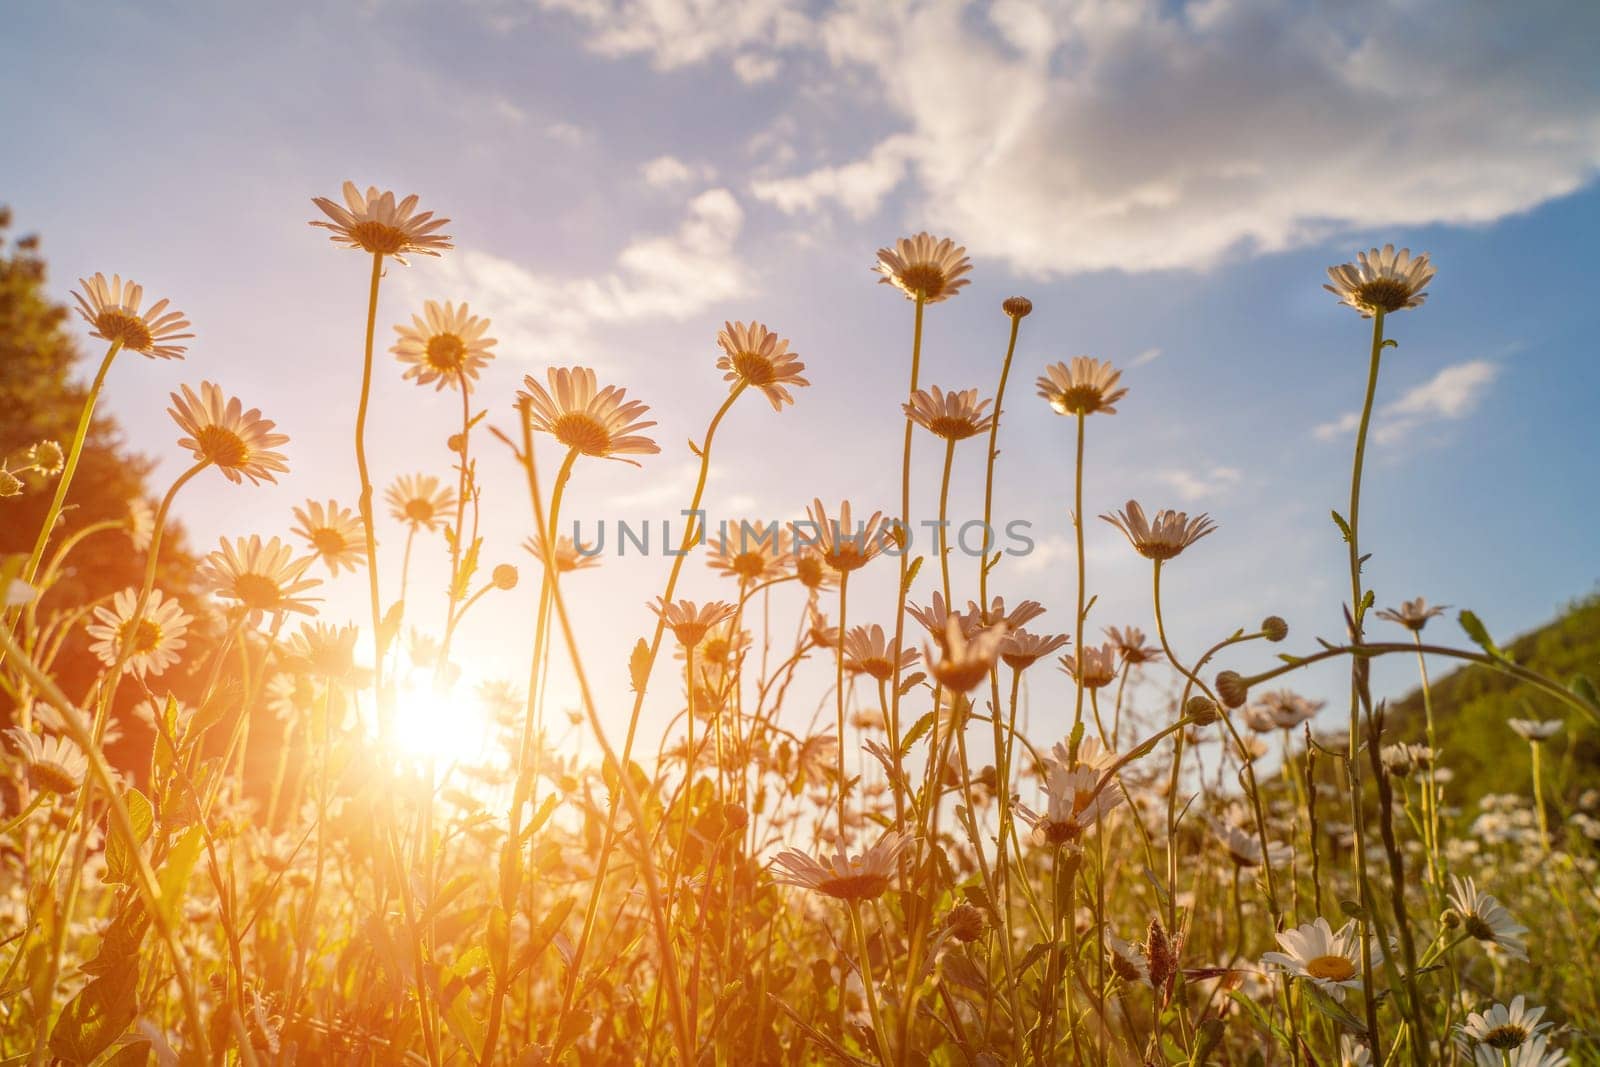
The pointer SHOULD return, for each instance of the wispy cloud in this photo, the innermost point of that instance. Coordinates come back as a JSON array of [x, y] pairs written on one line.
[[663, 276], [665, 172], [1203, 484], [1149, 355], [1453, 393]]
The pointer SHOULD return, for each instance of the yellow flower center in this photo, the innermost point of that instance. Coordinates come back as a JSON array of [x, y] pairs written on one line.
[[923, 279], [754, 368], [222, 446], [51, 778], [1480, 930], [877, 666], [1077, 400], [1331, 968], [328, 541], [257, 592], [952, 427], [419, 509], [1061, 833], [121, 324], [379, 237], [1509, 1036], [855, 887], [580, 430], [1384, 294], [809, 570], [446, 353], [137, 639]]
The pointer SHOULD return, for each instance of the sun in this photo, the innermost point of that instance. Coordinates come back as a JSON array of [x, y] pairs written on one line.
[[448, 727]]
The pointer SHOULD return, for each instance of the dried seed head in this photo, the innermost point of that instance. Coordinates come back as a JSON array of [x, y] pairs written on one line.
[[1273, 628], [1232, 689], [966, 923], [10, 484], [1202, 711]]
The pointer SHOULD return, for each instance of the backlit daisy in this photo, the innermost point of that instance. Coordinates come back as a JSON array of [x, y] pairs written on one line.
[[1381, 279], [749, 551], [147, 648], [1018, 616], [810, 569], [1099, 666], [1288, 709], [924, 267], [1082, 387], [263, 577], [1164, 537], [867, 650], [55, 765], [1535, 730], [961, 662], [420, 501], [445, 344], [1129, 643], [689, 621], [760, 358], [934, 616], [569, 555], [1412, 614], [862, 877], [1074, 804], [1535, 1052], [595, 422], [374, 222], [954, 416], [845, 545], [1244, 846], [112, 308], [221, 432], [1021, 649], [334, 534], [322, 651], [1353, 1053], [141, 523], [1503, 1027], [1316, 953], [1486, 920], [47, 458], [1127, 960]]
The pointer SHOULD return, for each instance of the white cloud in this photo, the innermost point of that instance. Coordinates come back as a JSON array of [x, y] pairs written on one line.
[[675, 33], [1200, 485], [753, 69], [663, 172], [1453, 393], [1140, 135], [1149, 355], [544, 316]]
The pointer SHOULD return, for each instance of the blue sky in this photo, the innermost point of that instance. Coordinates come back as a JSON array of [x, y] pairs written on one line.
[[1167, 182]]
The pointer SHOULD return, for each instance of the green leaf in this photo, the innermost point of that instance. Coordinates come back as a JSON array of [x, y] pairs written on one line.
[[1480, 634], [1344, 527], [173, 878], [121, 854], [911, 681], [920, 727], [100, 1013], [390, 626], [911, 575], [1584, 690]]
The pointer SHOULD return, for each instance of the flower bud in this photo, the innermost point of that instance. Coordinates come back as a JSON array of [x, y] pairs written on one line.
[[505, 576], [735, 817], [1017, 307], [1232, 689], [1450, 918], [966, 923], [1202, 711], [47, 458], [1273, 628], [10, 484], [456, 443]]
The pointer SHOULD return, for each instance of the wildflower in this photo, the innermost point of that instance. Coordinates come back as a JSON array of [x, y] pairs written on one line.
[[1099, 666], [966, 923], [1091, 754], [1082, 387], [862, 877], [141, 523], [334, 534], [1169, 534], [149, 647], [758, 357], [868, 651], [1201, 710], [569, 555], [1017, 307], [323, 651], [47, 458], [447, 347], [1535, 730], [55, 765], [1129, 643], [10, 484], [1315, 953], [112, 308], [748, 551], [16, 593], [1503, 1027], [1381, 280], [1402, 759], [811, 570], [504, 576], [1412, 614], [1021, 649], [1486, 920], [1353, 1052], [1244, 846], [1231, 689], [592, 421], [688, 621], [954, 416], [1073, 805], [1019, 616], [222, 433], [935, 615], [964, 661], [1287, 709], [264, 577], [818, 629], [374, 223], [1535, 1052], [924, 268], [419, 500], [846, 547], [1274, 628], [1127, 960]]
